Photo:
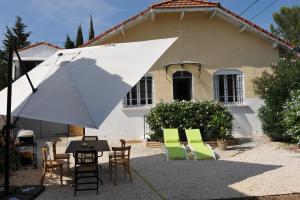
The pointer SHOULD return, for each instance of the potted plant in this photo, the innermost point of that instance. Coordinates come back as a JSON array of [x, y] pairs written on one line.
[[222, 124], [222, 139]]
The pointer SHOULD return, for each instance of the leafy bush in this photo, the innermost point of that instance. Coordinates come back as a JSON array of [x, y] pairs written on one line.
[[213, 119], [292, 115], [274, 88]]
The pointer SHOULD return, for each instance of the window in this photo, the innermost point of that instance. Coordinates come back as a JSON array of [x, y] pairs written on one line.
[[182, 86], [140, 94], [228, 86]]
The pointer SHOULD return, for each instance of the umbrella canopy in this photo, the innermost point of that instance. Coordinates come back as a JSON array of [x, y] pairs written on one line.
[[82, 86]]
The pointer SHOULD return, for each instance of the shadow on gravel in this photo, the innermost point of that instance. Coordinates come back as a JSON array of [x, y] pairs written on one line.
[[184, 179]]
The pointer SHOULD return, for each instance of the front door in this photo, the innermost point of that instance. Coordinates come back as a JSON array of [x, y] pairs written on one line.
[[75, 130], [182, 86]]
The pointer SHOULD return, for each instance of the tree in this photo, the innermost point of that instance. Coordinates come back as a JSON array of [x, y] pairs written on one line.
[[69, 44], [91, 31], [79, 37], [292, 115], [19, 37], [287, 24], [20, 34], [275, 89], [8, 39]]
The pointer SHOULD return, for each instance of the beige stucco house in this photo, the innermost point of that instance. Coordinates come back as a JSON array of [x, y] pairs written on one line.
[[216, 57]]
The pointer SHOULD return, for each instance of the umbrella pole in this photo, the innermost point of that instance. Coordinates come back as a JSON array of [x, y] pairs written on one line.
[[8, 120]]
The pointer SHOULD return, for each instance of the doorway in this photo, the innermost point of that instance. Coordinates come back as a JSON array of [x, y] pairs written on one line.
[[182, 86], [75, 130]]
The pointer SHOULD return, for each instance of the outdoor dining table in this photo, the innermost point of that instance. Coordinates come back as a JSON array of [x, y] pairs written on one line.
[[88, 145]]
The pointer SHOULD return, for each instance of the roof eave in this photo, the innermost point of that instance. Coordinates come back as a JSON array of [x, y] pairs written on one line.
[[144, 14]]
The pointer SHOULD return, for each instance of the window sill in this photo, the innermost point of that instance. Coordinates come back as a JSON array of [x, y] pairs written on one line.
[[148, 107]]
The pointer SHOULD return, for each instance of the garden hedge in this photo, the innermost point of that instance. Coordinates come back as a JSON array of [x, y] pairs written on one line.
[[213, 119]]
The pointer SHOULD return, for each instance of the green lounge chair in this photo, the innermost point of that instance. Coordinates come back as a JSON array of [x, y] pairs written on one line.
[[174, 150], [199, 150]]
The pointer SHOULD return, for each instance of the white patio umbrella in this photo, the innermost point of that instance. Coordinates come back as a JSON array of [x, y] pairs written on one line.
[[82, 86]]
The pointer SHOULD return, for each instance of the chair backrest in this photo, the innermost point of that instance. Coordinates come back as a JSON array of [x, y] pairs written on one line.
[[122, 152], [54, 147], [123, 142], [86, 157], [89, 138], [45, 156], [193, 136], [171, 135]]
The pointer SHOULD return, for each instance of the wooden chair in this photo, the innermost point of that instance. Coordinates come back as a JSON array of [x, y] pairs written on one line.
[[61, 156], [111, 154], [121, 158], [86, 168], [49, 165]]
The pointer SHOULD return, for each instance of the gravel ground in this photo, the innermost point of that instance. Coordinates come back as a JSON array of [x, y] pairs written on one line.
[[252, 169]]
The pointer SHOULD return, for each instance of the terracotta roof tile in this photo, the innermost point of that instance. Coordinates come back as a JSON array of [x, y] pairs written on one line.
[[173, 4], [185, 4], [38, 44]]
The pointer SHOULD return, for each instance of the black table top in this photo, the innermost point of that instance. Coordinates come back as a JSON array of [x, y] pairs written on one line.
[[93, 145]]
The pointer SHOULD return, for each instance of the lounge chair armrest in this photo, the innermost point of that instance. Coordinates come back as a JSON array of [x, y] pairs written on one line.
[[166, 151], [214, 155], [185, 151]]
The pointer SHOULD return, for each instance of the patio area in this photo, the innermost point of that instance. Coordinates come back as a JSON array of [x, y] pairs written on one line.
[[256, 168]]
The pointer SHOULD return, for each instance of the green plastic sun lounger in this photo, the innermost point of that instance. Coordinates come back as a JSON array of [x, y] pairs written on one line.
[[199, 150], [174, 150]]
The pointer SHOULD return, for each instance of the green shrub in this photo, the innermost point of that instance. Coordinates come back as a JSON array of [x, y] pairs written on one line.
[[213, 119], [274, 88], [292, 115]]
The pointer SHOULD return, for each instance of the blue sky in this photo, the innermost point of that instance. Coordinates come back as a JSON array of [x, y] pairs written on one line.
[[51, 20]]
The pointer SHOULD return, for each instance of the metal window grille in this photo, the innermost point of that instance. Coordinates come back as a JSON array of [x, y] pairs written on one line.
[[228, 88], [140, 94]]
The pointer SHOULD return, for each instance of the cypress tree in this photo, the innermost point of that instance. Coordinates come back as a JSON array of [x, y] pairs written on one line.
[[79, 37], [91, 31], [19, 37], [20, 33], [8, 39], [69, 44]]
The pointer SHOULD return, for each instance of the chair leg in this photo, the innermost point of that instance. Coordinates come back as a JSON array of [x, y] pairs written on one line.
[[61, 170], [115, 175], [110, 170], [43, 176], [68, 165], [125, 170], [75, 182], [129, 172], [97, 173]]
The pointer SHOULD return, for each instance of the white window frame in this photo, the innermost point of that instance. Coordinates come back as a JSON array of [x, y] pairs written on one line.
[[225, 72], [138, 98]]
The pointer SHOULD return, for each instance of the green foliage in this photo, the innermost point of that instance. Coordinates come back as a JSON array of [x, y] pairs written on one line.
[[79, 36], [69, 44], [287, 22], [18, 35], [292, 115], [274, 88], [91, 31], [213, 119], [9, 37]]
